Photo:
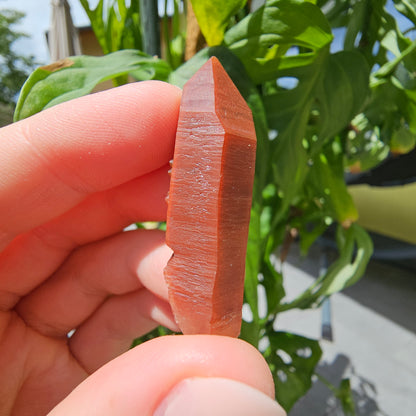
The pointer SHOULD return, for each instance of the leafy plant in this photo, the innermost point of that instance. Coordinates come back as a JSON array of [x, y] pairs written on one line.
[[77, 76], [316, 112], [115, 25], [14, 67]]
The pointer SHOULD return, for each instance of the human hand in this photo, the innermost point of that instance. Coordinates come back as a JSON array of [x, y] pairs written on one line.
[[71, 178]]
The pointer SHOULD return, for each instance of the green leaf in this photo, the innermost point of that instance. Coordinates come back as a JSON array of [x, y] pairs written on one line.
[[97, 23], [355, 23], [213, 17], [336, 12], [407, 8], [334, 87], [250, 332], [77, 76], [262, 39], [390, 66], [310, 231], [364, 147], [273, 284], [292, 359], [345, 396], [355, 247], [327, 184], [402, 141], [253, 261], [343, 393], [117, 26], [184, 73], [341, 92]]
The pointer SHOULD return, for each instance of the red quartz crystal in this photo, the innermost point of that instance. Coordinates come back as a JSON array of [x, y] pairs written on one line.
[[209, 204]]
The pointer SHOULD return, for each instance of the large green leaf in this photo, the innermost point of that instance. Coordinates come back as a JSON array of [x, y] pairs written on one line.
[[292, 359], [77, 76], [390, 110], [262, 39], [213, 17], [336, 85], [341, 92], [329, 93]]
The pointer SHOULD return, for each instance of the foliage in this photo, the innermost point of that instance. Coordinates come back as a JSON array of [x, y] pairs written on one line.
[[14, 68], [175, 35], [343, 393], [115, 25], [292, 359], [6, 114], [389, 113], [316, 112], [76, 76], [213, 17]]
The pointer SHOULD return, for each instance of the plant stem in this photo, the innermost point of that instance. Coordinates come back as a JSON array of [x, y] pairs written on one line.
[[150, 23]]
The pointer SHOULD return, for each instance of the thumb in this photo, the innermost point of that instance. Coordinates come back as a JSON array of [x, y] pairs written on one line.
[[161, 372], [219, 397]]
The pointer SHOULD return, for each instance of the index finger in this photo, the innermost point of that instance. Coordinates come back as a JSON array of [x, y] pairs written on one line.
[[50, 162]]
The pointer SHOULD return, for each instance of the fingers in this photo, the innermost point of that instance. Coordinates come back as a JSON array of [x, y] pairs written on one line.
[[118, 265], [137, 382], [50, 162], [111, 329], [33, 257]]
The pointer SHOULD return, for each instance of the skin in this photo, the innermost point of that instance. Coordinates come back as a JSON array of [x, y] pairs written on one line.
[[71, 178]]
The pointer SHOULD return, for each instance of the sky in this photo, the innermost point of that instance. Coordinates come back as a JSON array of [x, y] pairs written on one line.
[[37, 21]]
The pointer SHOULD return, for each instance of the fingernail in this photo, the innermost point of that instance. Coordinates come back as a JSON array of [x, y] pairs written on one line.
[[217, 396]]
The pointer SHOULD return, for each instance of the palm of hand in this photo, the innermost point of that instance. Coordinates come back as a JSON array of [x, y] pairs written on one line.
[[40, 364], [66, 194], [31, 364]]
